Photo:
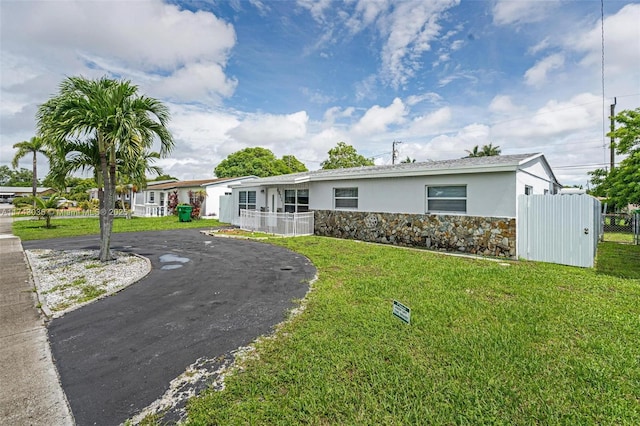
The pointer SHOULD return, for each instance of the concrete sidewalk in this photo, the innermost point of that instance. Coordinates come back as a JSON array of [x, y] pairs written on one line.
[[30, 392]]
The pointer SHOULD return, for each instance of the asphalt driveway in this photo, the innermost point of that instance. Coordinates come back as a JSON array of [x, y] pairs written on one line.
[[204, 297]]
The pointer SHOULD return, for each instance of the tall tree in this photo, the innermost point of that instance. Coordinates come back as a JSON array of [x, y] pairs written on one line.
[[621, 186], [21, 177], [343, 156], [257, 161], [33, 146], [107, 120]]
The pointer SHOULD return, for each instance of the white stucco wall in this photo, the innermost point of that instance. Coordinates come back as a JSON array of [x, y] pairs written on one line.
[[488, 194], [212, 202], [536, 175]]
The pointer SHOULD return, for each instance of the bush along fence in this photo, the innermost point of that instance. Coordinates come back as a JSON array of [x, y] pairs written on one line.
[[488, 236]]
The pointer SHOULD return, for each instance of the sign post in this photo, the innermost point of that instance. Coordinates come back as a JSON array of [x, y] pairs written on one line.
[[401, 311]]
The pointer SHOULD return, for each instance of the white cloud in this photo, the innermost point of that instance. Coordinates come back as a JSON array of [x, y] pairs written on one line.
[[429, 96], [542, 45], [378, 118], [622, 42], [537, 75], [270, 129], [409, 29], [193, 81], [367, 11], [334, 113], [114, 29], [553, 121], [316, 8], [457, 45], [502, 104], [508, 12], [430, 123], [148, 41], [449, 146]]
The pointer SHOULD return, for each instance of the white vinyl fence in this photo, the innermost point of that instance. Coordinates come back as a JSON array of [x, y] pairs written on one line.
[[288, 224], [562, 229], [226, 209]]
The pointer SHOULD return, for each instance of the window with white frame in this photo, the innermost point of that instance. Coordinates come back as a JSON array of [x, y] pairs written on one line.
[[152, 197], [345, 198], [528, 190], [447, 199], [246, 200], [296, 200]]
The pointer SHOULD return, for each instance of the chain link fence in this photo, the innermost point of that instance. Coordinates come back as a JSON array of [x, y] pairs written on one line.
[[622, 227]]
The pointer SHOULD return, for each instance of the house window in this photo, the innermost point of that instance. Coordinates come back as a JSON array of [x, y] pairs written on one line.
[[546, 191], [447, 199], [345, 198], [296, 200], [528, 190], [247, 200], [152, 197]]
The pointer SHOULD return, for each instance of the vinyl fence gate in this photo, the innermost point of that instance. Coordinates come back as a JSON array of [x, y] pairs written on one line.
[[226, 209], [562, 229]]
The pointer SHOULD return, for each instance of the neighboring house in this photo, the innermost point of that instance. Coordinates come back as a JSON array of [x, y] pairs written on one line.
[[154, 200], [220, 188], [467, 204], [8, 193]]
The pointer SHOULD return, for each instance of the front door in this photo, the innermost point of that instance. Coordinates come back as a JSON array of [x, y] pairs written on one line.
[[272, 199]]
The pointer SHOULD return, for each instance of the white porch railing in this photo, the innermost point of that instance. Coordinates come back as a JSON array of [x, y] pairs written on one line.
[[148, 210], [288, 224]]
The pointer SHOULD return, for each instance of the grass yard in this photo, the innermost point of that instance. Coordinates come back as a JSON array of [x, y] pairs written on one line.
[[527, 343], [35, 229], [621, 260]]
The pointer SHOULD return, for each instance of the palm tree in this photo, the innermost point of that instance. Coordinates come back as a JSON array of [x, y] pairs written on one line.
[[485, 151], [108, 126], [475, 152], [490, 150], [34, 146], [46, 208]]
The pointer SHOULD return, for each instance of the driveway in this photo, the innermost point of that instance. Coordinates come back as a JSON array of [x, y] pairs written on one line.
[[204, 297]]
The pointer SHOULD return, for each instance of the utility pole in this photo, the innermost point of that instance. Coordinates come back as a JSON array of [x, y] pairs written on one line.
[[613, 128], [394, 151]]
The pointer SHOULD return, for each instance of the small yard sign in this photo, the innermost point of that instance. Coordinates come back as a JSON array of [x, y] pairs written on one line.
[[402, 312]]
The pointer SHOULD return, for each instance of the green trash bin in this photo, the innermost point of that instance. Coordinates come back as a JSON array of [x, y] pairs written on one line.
[[184, 213]]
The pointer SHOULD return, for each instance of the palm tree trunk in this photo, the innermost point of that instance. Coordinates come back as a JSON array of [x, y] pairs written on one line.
[[105, 228]]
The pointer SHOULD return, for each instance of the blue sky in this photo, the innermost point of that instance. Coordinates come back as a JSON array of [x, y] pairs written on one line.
[[298, 76]]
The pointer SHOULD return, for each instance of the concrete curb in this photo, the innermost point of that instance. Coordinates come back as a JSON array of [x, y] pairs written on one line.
[[31, 393]]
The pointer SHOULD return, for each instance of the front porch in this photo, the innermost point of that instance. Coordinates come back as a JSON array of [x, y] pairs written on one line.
[[287, 224]]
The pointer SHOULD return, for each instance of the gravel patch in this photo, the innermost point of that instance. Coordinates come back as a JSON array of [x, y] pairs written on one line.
[[66, 280]]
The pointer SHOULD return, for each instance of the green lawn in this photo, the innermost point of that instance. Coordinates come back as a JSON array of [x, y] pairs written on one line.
[[489, 343], [621, 260], [35, 229], [527, 343], [618, 237]]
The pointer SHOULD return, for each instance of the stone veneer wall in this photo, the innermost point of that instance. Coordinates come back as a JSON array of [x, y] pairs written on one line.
[[489, 236]]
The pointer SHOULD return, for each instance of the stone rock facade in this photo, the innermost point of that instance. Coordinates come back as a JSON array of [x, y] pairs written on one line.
[[488, 236]]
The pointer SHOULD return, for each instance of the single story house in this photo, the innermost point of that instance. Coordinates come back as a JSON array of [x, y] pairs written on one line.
[[220, 188], [156, 198], [466, 204], [8, 193]]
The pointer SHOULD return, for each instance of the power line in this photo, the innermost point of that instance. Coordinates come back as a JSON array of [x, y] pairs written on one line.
[[604, 146]]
